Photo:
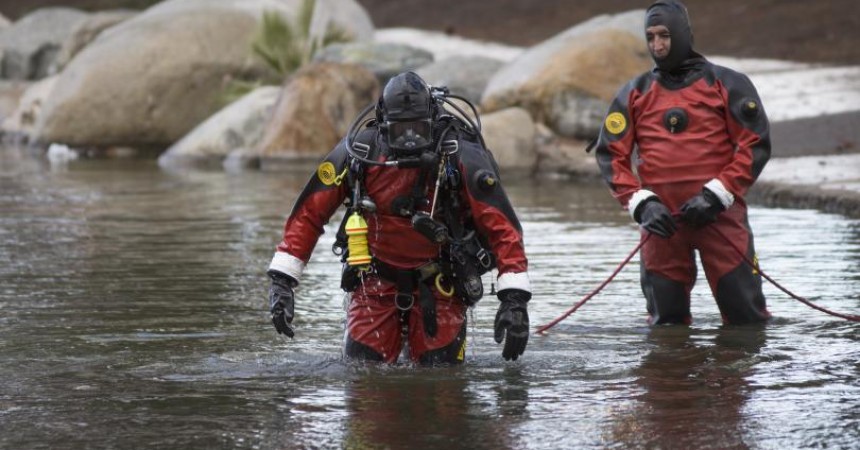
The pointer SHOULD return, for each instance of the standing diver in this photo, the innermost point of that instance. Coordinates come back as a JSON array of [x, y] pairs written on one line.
[[703, 139]]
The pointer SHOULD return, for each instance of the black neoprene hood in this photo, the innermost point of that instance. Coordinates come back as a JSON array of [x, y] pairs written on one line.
[[673, 15], [406, 97]]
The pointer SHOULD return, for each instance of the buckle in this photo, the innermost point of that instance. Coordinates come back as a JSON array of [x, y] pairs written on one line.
[[361, 148], [403, 301], [484, 258]]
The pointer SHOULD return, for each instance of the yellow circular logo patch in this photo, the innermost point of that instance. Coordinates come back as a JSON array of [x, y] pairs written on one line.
[[327, 174], [616, 123]]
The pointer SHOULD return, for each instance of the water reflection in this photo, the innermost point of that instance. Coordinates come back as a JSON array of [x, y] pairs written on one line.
[[694, 388], [424, 410]]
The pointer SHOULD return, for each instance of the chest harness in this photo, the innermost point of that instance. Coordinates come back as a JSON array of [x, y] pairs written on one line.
[[463, 257]]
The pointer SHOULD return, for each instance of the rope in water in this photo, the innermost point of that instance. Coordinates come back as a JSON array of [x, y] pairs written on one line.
[[543, 328], [851, 317], [573, 309]]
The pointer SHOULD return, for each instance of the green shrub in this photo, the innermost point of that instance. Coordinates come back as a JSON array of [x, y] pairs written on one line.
[[284, 45], [287, 45]]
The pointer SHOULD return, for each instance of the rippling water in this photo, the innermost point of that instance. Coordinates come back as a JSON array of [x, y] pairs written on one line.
[[133, 315]]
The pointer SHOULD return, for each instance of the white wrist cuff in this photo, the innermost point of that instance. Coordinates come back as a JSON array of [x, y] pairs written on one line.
[[726, 197], [288, 265], [515, 281], [638, 197]]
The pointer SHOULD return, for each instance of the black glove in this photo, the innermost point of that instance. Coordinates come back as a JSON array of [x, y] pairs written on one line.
[[512, 322], [655, 217], [702, 209], [282, 302]]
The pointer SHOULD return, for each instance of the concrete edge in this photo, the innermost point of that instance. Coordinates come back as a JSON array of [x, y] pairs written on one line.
[[783, 195]]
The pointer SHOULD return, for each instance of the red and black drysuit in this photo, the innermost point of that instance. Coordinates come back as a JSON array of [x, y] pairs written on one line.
[[702, 126], [374, 322]]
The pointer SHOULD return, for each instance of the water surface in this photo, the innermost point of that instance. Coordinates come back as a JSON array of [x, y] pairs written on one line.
[[133, 315]]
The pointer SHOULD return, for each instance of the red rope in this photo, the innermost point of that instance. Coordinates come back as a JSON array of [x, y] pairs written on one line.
[[806, 302], [543, 328], [570, 311]]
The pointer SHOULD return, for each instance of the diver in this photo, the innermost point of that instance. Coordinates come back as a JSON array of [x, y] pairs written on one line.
[[702, 138], [426, 216]]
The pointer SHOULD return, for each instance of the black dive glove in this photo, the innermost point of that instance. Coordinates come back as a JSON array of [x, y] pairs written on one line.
[[512, 322], [702, 209], [282, 302], [655, 217]]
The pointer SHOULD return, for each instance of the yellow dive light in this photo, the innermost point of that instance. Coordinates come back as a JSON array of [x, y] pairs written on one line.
[[356, 231]]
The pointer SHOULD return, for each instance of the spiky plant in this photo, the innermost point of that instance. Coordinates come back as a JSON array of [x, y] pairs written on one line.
[[287, 45], [284, 46]]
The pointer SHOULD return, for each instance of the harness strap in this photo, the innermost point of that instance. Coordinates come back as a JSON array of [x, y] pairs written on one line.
[[406, 281], [418, 274]]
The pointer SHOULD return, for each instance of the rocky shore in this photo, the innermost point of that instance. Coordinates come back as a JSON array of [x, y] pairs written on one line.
[[69, 81]]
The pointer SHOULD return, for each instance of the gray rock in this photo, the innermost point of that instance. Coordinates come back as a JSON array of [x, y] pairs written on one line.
[[383, 59], [11, 93], [572, 113], [344, 15], [510, 135], [566, 156], [532, 61], [567, 81], [23, 119], [463, 75], [315, 109], [150, 79], [30, 46], [237, 126], [85, 32]]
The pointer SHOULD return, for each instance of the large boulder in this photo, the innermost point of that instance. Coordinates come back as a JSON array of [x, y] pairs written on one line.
[[510, 134], [315, 109], [23, 119], [444, 45], [383, 59], [463, 75], [85, 32], [11, 93], [238, 126], [151, 79], [560, 155], [347, 16], [568, 81], [30, 45]]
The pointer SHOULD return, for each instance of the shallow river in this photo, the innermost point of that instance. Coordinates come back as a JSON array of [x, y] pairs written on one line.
[[133, 315]]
